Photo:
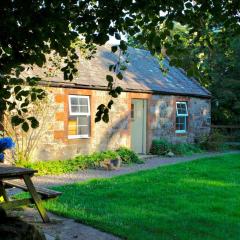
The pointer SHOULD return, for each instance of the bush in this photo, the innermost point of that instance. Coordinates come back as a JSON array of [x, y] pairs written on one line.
[[162, 147], [185, 149], [93, 160], [80, 162], [213, 142], [128, 156], [233, 146]]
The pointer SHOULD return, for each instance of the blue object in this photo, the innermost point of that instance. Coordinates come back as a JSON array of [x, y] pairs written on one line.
[[6, 143], [1, 157]]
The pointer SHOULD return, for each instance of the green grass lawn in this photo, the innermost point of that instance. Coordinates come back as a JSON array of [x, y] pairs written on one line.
[[195, 200]]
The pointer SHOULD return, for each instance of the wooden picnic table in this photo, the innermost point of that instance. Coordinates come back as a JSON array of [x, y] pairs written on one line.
[[8, 172]]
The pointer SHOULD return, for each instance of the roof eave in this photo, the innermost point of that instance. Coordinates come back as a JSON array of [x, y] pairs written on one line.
[[104, 88]]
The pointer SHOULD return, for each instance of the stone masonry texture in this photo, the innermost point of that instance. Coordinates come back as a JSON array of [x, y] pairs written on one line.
[[161, 117]]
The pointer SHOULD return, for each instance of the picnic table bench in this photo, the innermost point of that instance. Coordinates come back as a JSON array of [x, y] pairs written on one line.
[[11, 176]]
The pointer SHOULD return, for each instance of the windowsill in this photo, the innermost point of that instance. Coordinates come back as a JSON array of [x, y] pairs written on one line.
[[78, 137], [180, 131]]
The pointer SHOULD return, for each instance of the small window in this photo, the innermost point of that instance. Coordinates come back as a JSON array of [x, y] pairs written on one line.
[[132, 111], [181, 117], [79, 117]]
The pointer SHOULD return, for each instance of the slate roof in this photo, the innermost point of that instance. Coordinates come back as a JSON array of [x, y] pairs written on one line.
[[143, 74]]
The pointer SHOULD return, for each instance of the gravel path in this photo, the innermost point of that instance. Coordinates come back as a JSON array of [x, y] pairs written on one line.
[[150, 163]]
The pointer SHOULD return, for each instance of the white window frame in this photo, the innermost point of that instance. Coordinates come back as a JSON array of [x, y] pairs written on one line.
[[79, 114], [185, 115]]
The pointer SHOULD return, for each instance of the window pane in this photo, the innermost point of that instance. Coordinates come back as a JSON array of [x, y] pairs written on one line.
[[181, 108], [74, 101], [182, 111], [72, 126], [78, 125], [83, 125], [83, 120], [79, 104], [75, 109], [181, 120], [83, 101], [132, 111], [181, 123], [83, 130], [84, 109]]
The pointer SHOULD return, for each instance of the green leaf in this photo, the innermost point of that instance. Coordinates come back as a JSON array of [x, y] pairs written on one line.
[[70, 77], [25, 103], [114, 49], [120, 76], [11, 106], [118, 89], [33, 97], [106, 111], [117, 36], [111, 67], [169, 24], [34, 122], [97, 119], [105, 117], [123, 45], [16, 81], [17, 89], [101, 107], [109, 78], [24, 93], [25, 127], [110, 103], [16, 120], [113, 93], [188, 5]]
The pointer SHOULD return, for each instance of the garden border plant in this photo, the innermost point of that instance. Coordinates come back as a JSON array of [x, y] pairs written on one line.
[[93, 160], [215, 141], [163, 147]]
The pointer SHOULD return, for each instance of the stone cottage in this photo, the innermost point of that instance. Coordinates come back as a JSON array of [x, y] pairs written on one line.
[[153, 105]]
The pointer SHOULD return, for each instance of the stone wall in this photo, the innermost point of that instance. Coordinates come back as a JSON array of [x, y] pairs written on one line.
[[163, 114], [55, 143]]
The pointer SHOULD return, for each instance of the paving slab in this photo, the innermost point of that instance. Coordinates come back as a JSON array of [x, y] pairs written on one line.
[[61, 228]]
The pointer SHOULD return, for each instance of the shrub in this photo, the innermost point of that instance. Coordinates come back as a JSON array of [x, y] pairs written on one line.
[[128, 156], [185, 149], [160, 147], [51, 167], [27, 142], [80, 162], [93, 160], [213, 142], [233, 146]]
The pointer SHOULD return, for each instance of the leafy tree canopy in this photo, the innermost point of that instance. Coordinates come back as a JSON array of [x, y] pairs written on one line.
[[214, 61], [30, 29], [224, 82]]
